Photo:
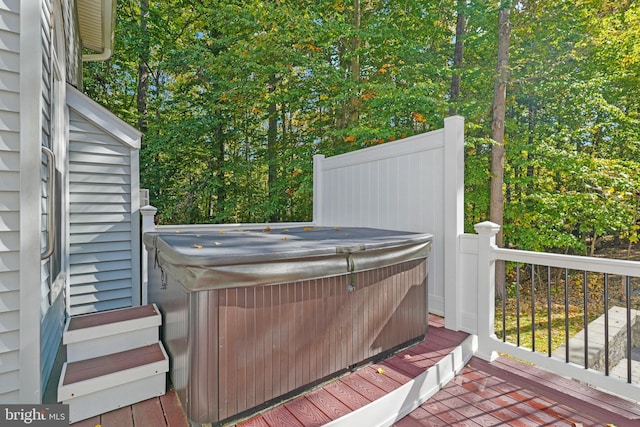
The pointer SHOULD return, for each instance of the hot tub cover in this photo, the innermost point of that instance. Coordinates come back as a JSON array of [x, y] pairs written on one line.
[[225, 259]]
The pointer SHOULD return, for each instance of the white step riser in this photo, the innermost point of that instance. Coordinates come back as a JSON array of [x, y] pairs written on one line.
[[90, 405], [101, 345], [104, 393], [95, 341], [94, 385]]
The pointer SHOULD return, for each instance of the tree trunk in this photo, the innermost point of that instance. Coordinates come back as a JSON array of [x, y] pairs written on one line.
[[221, 188], [355, 42], [143, 68], [272, 155], [458, 54], [352, 108], [496, 208]]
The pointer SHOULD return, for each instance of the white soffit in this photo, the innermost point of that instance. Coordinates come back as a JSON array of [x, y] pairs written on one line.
[[96, 19]]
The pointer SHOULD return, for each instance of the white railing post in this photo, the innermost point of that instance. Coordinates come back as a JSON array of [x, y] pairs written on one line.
[[453, 206], [486, 289], [318, 199], [148, 213]]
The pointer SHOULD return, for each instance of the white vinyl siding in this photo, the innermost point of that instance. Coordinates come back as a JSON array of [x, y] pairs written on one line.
[[103, 219], [9, 200]]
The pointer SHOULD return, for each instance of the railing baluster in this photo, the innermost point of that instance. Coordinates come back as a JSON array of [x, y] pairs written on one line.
[[518, 304], [585, 307], [593, 270], [504, 301], [533, 307], [549, 311], [629, 331], [566, 314], [606, 324]]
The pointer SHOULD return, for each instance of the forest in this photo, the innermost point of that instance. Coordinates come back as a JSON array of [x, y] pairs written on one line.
[[234, 97]]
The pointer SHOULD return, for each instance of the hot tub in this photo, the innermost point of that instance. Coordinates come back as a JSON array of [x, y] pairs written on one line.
[[254, 316]]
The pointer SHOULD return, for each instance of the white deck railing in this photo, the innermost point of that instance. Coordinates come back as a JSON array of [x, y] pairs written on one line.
[[489, 345]]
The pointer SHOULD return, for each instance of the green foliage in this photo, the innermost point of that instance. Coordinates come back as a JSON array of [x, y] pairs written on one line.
[[242, 94]]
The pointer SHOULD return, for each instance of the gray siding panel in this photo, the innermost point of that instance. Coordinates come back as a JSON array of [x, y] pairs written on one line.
[[52, 312], [51, 336], [9, 200], [102, 272]]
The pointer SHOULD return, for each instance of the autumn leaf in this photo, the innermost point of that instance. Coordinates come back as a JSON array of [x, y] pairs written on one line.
[[418, 117]]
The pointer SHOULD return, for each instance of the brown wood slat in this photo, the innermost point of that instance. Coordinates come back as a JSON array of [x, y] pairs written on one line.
[[110, 363], [122, 417], [584, 393], [479, 396], [346, 395], [379, 378], [305, 412], [401, 365], [582, 398], [254, 422], [328, 404], [280, 416], [106, 317], [148, 413], [89, 422], [172, 409], [368, 390], [394, 374]]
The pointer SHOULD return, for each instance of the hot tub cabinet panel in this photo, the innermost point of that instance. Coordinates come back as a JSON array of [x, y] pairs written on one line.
[[235, 349]]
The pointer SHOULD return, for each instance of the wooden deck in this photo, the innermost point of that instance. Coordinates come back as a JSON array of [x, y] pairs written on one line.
[[163, 411], [504, 392]]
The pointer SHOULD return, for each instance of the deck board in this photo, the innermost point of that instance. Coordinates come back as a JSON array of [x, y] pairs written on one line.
[[148, 413], [172, 409], [281, 416], [346, 395], [328, 404], [122, 417], [307, 413], [504, 392]]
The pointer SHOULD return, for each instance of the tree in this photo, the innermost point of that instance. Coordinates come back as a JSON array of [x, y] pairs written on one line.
[[458, 56], [498, 121]]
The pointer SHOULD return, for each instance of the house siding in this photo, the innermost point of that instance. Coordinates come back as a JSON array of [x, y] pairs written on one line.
[[103, 219], [9, 200]]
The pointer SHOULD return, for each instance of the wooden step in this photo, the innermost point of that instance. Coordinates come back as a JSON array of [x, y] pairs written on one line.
[[97, 334], [94, 386]]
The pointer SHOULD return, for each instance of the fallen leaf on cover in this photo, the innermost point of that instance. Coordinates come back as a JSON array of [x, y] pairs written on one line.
[[223, 232], [380, 371], [217, 243], [308, 228], [267, 228], [611, 425], [197, 246], [407, 356], [285, 238]]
